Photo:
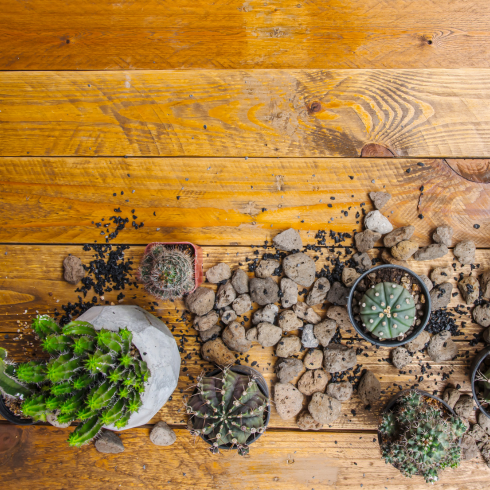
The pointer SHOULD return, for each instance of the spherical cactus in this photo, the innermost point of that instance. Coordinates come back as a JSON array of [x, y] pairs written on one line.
[[387, 310], [167, 273], [228, 408]]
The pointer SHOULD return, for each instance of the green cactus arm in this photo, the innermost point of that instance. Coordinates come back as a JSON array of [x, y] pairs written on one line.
[[141, 370], [114, 413], [84, 344], [234, 385], [31, 372], [85, 432], [100, 396], [127, 339], [44, 325], [79, 328], [99, 362], [9, 386], [123, 421], [66, 418], [134, 402], [83, 381], [109, 340], [63, 368], [56, 343], [35, 407], [85, 413], [213, 391], [54, 402], [74, 403], [64, 388], [126, 360], [117, 374]]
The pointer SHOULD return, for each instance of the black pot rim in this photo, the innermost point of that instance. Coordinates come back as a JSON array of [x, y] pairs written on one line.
[[262, 386], [389, 343], [11, 417], [474, 369]]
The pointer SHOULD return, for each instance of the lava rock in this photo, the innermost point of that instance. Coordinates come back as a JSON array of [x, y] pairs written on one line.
[[378, 223], [207, 321], [465, 252], [338, 358], [217, 352], [218, 273], [481, 315], [264, 291], [426, 281], [451, 396], [440, 296], [242, 304], [362, 261], [307, 422], [418, 343], [400, 357], [442, 348], [340, 315], [306, 313], [485, 284], [484, 422], [288, 369], [210, 333], [325, 331], [379, 199], [443, 234], [431, 252], [266, 268], [234, 337], [404, 250], [300, 268], [398, 235], [288, 240], [289, 290], [440, 275], [308, 338], [324, 409], [201, 301], [478, 433], [288, 321], [240, 281], [226, 295], [162, 435], [288, 400], [313, 381], [252, 334], [387, 258], [469, 448], [268, 334], [266, 314], [342, 391], [109, 443], [464, 406], [313, 359], [338, 294], [228, 316], [349, 276], [73, 269], [486, 335], [318, 292], [470, 289], [369, 388], [288, 346], [485, 452], [365, 240]]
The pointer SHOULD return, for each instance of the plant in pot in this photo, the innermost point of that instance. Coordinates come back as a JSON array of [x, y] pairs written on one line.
[[171, 270], [480, 380], [419, 434], [389, 305], [229, 408]]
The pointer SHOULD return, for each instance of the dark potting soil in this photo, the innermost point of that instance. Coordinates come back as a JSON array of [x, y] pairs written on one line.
[[13, 404]]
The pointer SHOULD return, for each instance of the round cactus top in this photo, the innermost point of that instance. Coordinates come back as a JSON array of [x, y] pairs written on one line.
[[387, 310]]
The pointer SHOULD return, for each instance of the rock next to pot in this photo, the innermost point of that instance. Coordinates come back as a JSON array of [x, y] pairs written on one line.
[[218, 273], [444, 235], [288, 400], [398, 235], [201, 301]]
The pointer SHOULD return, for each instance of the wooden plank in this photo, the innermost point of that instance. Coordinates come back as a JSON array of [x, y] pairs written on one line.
[[243, 34], [246, 113], [38, 458], [230, 201]]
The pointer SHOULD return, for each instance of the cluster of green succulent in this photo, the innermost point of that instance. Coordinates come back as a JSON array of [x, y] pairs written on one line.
[[92, 377], [167, 273], [419, 439], [227, 409]]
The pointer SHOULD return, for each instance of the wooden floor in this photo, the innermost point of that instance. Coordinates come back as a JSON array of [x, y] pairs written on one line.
[[223, 123]]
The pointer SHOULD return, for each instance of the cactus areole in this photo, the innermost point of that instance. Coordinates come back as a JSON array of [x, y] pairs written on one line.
[[229, 409]]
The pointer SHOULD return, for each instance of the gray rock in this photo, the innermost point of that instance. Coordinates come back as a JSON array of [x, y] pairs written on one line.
[[486, 335], [478, 433], [426, 281], [338, 358], [398, 235], [288, 400], [288, 240], [201, 301], [379, 199], [162, 434], [242, 304], [264, 291], [306, 313], [218, 273], [485, 284], [288, 346], [440, 296], [266, 314], [338, 294], [378, 223], [465, 252], [349, 276], [441, 274], [207, 321], [342, 391], [481, 315], [73, 269], [217, 352], [325, 331], [210, 333], [313, 359], [451, 396], [400, 357], [289, 291], [369, 388], [109, 443], [308, 338], [240, 281], [307, 422], [470, 289], [268, 335], [442, 348], [228, 316], [387, 258], [404, 250], [464, 406], [252, 334], [340, 315], [443, 234], [318, 292], [234, 338], [484, 422], [266, 268], [431, 252], [324, 409], [288, 369], [313, 381], [300, 268], [366, 240], [485, 453], [469, 448], [288, 321], [418, 343], [226, 295], [52, 418], [362, 260]]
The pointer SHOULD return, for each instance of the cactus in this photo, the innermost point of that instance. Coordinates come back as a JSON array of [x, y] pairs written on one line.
[[387, 310], [228, 408], [92, 377], [167, 273], [418, 438]]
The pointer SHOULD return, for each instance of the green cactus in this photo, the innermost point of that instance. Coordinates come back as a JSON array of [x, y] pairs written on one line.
[[418, 438], [228, 409], [92, 378], [387, 310], [167, 273]]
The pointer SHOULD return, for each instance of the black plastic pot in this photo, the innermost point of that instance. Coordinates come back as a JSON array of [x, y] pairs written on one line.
[[475, 366], [390, 343], [11, 417], [248, 371]]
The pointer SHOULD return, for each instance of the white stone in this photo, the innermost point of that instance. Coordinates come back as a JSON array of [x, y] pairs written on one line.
[[375, 221]]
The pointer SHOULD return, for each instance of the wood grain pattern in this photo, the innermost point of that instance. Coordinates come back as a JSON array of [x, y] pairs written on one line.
[[108, 35], [416, 113], [476, 170], [215, 201]]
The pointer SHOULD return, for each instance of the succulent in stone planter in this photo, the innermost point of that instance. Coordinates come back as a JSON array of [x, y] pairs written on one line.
[[229, 409], [420, 435]]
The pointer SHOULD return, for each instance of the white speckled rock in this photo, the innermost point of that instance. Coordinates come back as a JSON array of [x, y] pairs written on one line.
[[375, 221], [157, 347]]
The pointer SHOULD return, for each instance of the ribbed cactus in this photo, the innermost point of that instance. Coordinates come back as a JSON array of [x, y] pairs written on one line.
[[93, 377], [418, 438], [387, 310], [228, 408], [167, 273]]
